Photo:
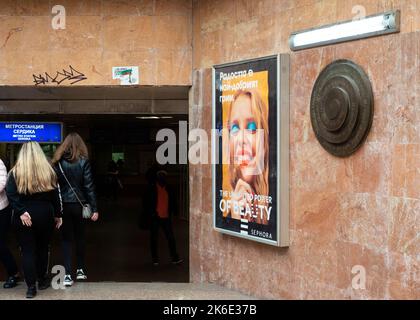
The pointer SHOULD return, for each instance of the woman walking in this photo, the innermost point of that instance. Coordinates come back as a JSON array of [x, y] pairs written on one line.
[[34, 195], [6, 256], [75, 177]]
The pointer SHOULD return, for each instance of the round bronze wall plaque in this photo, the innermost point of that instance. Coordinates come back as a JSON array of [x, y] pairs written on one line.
[[342, 107]]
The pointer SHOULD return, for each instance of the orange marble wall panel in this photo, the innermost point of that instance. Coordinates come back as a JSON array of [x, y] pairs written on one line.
[[405, 171], [35, 41], [382, 131], [173, 32], [11, 33], [207, 94], [404, 277], [173, 7], [398, 170], [33, 62], [33, 7], [371, 169], [80, 33], [261, 43], [127, 33], [81, 7], [214, 14], [127, 7], [154, 35], [8, 8], [403, 226], [173, 66], [364, 219], [413, 175], [217, 46]]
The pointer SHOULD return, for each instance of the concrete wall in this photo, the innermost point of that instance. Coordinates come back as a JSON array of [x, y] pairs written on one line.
[[100, 34], [362, 210]]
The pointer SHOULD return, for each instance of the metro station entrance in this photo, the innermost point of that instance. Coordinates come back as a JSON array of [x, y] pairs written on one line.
[[118, 246]]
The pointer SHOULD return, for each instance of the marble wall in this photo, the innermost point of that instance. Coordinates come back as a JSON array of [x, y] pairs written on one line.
[[362, 210]]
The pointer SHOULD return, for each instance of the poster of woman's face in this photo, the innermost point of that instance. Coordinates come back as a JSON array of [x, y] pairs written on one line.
[[246, 147], [245, 176]]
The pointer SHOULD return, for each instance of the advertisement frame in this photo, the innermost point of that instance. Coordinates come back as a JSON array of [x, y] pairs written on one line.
[[282, 147]]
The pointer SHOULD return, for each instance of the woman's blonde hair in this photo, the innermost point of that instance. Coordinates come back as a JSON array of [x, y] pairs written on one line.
[[260, 112], [32, 171], [74, 145]]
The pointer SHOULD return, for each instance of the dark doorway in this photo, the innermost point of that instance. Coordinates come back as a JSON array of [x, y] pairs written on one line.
[[117, 248]]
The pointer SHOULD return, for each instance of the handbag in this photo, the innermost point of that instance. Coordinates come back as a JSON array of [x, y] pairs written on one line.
[[86, 208]]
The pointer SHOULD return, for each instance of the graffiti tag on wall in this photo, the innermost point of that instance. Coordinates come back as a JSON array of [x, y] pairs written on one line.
[[73, 76]]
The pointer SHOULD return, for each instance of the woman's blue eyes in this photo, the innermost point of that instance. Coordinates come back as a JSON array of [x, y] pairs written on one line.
[[251, 126], [234, 129]]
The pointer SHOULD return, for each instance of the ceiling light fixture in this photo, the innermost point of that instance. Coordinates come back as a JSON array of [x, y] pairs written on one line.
[[148, 117], [371, 26]]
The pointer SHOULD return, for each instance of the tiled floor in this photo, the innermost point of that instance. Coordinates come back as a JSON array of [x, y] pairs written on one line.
[[129, 291]]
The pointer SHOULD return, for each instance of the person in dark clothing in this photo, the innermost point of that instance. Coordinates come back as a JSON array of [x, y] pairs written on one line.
[[112, 181], [34, 194], [6, 256], [152, 172], [71, 160], [160, 205]]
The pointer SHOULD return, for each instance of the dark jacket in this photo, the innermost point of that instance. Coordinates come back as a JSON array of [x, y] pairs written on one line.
[[22, 203], [79, 174]]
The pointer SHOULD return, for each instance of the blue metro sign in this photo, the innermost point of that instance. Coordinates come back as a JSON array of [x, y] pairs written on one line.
[[21, 132]]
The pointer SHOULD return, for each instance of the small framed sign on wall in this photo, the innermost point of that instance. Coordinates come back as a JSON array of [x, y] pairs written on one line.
[[251, 149]]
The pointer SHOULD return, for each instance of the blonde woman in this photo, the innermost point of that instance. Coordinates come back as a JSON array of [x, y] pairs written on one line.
[[34, 195], [248, 151]]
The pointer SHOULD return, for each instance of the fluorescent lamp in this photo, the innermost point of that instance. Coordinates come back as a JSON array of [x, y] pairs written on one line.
[[154, 117], [371, 26], [148, 118]]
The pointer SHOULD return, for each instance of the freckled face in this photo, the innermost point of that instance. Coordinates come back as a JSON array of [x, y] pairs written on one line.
[[242, 128]]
